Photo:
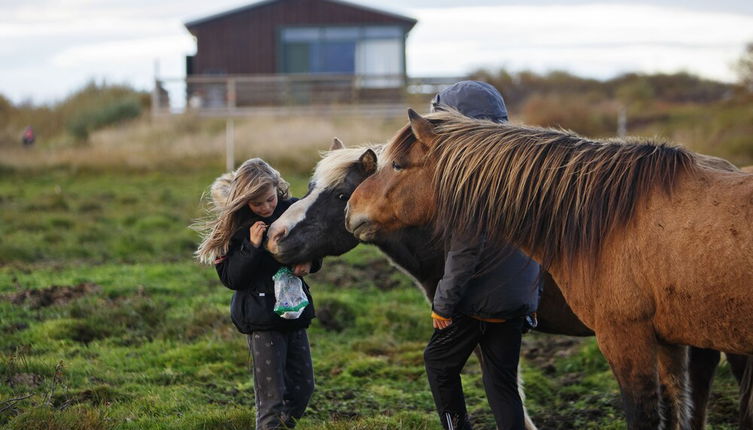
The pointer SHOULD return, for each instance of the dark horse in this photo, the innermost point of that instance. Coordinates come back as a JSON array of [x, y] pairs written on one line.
[[617, 224], [314, 227]]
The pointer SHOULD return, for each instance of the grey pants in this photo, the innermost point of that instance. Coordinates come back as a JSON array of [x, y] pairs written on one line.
[[283, 377]]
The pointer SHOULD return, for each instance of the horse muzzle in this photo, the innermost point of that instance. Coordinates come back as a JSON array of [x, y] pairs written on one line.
[[275, 234], [361, 227]]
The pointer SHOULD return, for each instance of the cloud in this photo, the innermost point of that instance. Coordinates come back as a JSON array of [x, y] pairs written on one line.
[[593, 40], [123, 51], [50, 46]]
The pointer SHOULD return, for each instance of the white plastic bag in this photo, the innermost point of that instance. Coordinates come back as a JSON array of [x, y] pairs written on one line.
[[290, 299]]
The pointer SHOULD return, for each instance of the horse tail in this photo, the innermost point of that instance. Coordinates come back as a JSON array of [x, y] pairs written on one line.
[[220, 190]]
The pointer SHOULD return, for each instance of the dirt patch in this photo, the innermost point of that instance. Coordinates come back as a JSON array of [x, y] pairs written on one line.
[[52, 295], [28, 380], [544, 350], [334, 315], [379, 272]]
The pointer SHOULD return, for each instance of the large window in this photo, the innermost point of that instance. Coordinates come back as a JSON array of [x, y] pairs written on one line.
[[370, 50]]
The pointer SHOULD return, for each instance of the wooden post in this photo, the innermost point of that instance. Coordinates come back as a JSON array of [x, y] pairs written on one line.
[[622, 121], [155, 98], [155, 91], [229, 144], [231, 95]]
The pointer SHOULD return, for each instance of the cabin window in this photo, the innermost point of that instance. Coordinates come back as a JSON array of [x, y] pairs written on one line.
[[367, 50]]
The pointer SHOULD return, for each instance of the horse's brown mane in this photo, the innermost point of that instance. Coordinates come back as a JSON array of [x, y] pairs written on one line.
[[550, 191]]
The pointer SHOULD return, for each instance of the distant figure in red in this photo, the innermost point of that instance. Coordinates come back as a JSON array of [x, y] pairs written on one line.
[[28, 137]]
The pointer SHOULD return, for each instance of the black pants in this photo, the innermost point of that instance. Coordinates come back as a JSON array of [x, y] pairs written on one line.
[[283, 377], [446, 354]]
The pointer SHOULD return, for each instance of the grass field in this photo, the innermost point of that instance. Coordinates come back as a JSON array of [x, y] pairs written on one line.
[[107, 323]]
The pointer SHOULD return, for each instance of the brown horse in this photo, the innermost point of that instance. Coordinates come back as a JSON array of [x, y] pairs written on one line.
[[314, 227], [651, 248]]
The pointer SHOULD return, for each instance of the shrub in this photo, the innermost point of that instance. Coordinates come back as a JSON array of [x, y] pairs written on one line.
[[86, 121]]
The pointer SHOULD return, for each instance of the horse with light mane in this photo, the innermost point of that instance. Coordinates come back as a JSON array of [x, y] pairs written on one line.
[[652, 249], [314, 227]]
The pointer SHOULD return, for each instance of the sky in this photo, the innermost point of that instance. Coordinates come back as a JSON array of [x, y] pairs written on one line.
[[50, 48]]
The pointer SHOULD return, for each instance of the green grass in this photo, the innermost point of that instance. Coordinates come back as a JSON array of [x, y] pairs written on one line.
[[135, 335]]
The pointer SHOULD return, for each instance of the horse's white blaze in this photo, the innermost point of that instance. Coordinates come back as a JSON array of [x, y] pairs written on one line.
[[294, 214]]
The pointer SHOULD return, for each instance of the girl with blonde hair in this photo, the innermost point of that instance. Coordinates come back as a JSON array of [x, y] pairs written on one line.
[[242, 206]]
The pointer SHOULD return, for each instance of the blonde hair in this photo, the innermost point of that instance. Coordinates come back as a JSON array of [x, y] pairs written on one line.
[[228, 194]]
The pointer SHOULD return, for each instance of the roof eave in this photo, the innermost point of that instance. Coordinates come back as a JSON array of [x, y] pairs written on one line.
[[410, 22]]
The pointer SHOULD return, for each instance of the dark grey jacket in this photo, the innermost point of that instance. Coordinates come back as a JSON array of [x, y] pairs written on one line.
[[248, 270], [511, 288], [508, 290]]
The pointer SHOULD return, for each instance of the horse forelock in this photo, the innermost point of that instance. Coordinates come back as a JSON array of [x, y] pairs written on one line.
[[550, 191], [399, 145], [335, 165]]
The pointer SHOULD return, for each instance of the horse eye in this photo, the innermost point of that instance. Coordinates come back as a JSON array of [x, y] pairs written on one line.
[[344, 197], [396, 166]]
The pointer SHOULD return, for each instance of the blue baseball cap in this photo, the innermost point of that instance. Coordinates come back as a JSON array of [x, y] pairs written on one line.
[[473, 99]]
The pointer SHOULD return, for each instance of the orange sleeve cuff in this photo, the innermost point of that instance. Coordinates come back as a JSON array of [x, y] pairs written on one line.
[[438, 317]]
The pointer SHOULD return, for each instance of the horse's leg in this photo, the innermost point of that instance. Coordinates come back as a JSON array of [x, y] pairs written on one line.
[[631, 350], [701, 368], [746, 396], [673, 376], [742, 368]]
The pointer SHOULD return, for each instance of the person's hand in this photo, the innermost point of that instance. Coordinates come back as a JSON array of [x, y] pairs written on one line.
[[256, 233], [302, 269], [441, 324]]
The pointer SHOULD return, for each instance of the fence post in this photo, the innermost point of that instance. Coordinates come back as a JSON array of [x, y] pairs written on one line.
[[229, 144], [155, 97], [231, 95], [622, 121]]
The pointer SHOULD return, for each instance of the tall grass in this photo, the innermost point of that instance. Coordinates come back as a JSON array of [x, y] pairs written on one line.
[[703, 115], [292, 143]]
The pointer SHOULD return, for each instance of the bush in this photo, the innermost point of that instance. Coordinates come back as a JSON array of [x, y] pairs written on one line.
[[95, 118], [577, 114]]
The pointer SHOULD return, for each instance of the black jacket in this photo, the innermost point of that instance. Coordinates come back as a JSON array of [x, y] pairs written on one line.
[[508, 290], [248, 271], [511, 288]]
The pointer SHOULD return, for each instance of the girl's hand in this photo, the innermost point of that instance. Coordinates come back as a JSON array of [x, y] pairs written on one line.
[[256, 233], [302, 269]]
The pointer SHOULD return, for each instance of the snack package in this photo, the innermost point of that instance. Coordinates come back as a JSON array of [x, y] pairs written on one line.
[[290, 299]]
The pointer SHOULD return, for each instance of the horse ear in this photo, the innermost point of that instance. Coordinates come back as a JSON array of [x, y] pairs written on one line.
[[368, 162], [337, 144], [421, 127]]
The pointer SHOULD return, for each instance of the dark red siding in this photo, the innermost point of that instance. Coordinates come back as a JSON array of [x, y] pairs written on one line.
[[245, 42]]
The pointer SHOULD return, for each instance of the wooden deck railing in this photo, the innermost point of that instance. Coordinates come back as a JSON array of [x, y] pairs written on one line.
[[239, 95]]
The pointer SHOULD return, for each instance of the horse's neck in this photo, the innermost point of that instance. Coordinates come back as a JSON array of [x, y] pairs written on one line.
[[412, 251]]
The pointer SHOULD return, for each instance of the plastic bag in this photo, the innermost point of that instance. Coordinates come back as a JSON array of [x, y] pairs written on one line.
[[290, 299]]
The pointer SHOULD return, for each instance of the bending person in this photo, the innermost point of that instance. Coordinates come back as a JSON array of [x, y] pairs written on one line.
[[489, 310]]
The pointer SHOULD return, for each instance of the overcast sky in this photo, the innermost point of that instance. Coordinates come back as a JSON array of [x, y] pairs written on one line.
[[49, 48]]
